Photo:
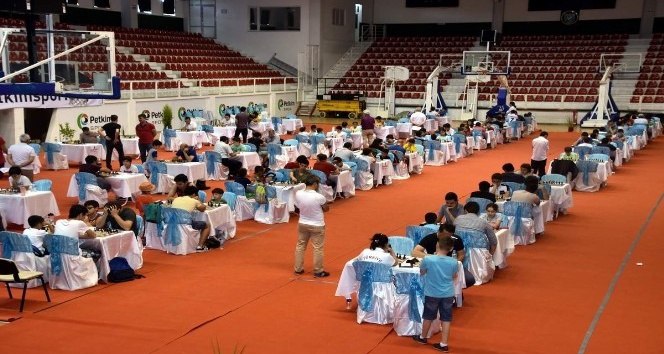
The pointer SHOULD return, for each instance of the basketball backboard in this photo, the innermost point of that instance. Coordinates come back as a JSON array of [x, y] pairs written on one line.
[[485, 63], [624, 62], [75, 64]]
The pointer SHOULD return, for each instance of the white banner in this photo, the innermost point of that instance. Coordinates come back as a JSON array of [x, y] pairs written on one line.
[[90, 117], [253, 103], [154, 110], [39, 101], [285, 103]]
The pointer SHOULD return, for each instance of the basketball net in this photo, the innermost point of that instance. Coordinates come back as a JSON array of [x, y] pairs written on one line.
[[78, 102], [482, 76]]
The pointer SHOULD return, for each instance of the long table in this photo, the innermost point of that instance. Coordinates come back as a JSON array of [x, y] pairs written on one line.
[[18, 208], [122, 244]]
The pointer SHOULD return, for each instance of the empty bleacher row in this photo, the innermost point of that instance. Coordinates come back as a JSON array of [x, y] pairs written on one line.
[[650, 85]]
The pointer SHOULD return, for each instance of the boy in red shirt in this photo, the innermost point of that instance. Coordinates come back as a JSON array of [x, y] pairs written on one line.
[[331, 171]]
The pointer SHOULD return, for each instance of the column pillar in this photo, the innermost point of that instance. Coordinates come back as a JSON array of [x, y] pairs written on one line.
[[648, 18], [498, 15], [129, 13]]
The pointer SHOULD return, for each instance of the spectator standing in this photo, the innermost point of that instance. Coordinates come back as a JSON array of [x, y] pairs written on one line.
[[146, 133]]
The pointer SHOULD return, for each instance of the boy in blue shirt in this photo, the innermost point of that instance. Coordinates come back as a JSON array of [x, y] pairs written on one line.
[[441, 273]]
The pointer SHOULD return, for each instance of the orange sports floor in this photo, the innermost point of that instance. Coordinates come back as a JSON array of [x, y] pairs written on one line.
[[578, 289]]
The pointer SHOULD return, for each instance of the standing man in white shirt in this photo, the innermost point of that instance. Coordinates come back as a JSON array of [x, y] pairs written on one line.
[[311, 226], [540, 150], [22, 155]]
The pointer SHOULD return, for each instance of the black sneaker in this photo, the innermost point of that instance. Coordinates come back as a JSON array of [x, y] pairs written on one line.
[[419, 339], [201, 249], [443, 349], [322, 274]]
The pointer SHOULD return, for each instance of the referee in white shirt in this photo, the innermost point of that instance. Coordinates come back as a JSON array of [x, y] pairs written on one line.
[[312, 205], [540, 150]]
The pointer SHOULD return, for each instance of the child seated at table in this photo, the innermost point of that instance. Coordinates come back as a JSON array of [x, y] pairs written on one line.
[[242, 177], [17, 180], [152, 153], [430, 222], [127, 167], [493, 217], [145, 197], [217, 195], [38, 229], [237, 146]]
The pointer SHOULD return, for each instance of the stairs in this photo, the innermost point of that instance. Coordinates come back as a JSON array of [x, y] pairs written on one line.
[[306, 109]]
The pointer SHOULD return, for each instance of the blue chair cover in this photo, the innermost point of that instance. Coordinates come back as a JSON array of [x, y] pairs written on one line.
[[42, 185], [212, 158], [320, 174], [404, 120], [301, 138], [601, 150], [291, 142], [140, 225], [472, 239], [236, 110], [207, 128], [586, 167], [398, 155], [482, 202], [583, 151], [410, 284], [353, 168], [273, 150], [618, 144], [548, 190], [554, 178], [513, 186], [432, 146], [368, 273], [234, 187], [58, 245], [416, 233], [477, 135], [361, 166], [202, 196], [315, 140], [140, 168], [276, 122], [36, 147], [640, 127], [231, 199], [390, 123], [250, 147], [598, 157], [401, 245], [155, 168], [518, 210], [14, 242], [291, 116], [458, 139], [50, 150], [514, 125], [168, 135], [84, 178], [282, 175], [174, 217]]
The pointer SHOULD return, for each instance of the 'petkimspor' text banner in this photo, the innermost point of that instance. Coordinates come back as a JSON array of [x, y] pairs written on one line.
[[41, 101]]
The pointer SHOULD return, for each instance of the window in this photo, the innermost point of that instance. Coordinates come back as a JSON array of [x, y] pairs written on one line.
[[338, 17], [169, 7], [202, 17], [72, 2], [145, 6], [274, 18], [104, 4]]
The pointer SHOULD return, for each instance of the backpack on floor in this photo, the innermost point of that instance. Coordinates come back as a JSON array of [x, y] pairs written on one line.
[[121, 271], [261, 194]]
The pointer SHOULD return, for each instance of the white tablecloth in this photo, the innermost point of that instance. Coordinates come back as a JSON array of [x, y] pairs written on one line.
[[561, 196], [124, 184], [335, 143], [385, 131], [195, 138], [221, 218], [225, 131], [286, 194], [249, 159], [291, 125], [415, 162], [431, 125], [77, 152], [504, 248], [261, 127], [356, 139], [345, 183], [129, 146], [404, 128], [18, 208], [122, 244], [382, 169], [193, 170], [290, 151]]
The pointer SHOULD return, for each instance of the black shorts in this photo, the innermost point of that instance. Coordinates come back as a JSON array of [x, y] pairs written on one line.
[[442, 305]]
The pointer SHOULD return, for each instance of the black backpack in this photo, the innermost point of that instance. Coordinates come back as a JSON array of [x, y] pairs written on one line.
[[121, 271]]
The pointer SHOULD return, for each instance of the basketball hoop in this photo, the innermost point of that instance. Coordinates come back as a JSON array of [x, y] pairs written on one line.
[[78, 102], [482, 76]]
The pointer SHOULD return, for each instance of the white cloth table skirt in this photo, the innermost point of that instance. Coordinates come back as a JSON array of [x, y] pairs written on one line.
[[220, 218], [430, 125], [77, 152], [504, 248], [123, 244], [385, 131], [194, 138], [415, 162], [261, 127], [18, 208], [404, 128], [228, 132], [356, 139], [382, 169], [561, 196], [193, 170], [604, 170], [442, 120], [345, 184], [129, 147], [123, 185], [249, 159], [290, 151], [292, 125], [335, 143], [286, 194]]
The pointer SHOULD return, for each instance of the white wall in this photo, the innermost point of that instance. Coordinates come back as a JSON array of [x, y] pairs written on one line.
[[335, 40]]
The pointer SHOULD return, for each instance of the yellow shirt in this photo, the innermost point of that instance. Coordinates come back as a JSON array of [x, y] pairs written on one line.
[[185, 203], [410, 147]]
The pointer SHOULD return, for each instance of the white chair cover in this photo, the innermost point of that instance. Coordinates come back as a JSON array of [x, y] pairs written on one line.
[[96, 193], [594, 181], [166, 183], [481, 265], [401, 171], [304, 149], [479, 143], [190, 238], [59, 162], [244, 208], [276, 213], [404, 325], [438, 160], [18, 248], [383, 294], [77, 273], [365, 180], [327, 192]]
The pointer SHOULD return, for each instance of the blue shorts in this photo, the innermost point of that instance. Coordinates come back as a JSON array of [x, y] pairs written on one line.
[[198, 225], [442, 305]]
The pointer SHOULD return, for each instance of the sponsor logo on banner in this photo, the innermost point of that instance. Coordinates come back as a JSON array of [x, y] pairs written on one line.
[[251, 108], [183, 112], [153, 117], [285, 105], [44, 101], [83, 120]]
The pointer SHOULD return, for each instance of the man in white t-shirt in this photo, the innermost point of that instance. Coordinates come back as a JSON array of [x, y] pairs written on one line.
[[189, 126], [36, 231], [23, 156], [227, 155], [75, 225], [312, 205], [540, 150]]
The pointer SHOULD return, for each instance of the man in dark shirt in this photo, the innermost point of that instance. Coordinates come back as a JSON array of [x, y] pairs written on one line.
[[367, 124], [257, 141], [118, 218], [510, 176], [146, 132], [242, 124], [329, 169], [450, 210], [427, 246], [186, 154], [484, 187], [93, 166], [112, 132], [605, 143]]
